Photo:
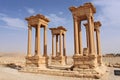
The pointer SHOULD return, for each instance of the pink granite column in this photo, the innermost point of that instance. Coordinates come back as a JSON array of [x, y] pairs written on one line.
[[45, 42], [80, 38]]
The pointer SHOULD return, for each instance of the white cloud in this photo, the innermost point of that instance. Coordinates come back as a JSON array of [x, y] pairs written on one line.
[[12, 22], [109, 12], [30, 10], [60, 13], [56, 20], [1, 15]]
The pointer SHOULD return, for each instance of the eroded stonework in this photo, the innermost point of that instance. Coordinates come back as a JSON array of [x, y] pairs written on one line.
[[90, 57], [37, 60], [59, 58], [87, 62]]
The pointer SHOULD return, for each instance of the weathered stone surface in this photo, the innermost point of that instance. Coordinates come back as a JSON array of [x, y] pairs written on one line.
[[59, 58], [37, 60]]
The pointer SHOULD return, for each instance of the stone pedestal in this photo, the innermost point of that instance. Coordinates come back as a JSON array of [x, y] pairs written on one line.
[[36, 61], [58, 60], [99, 60], [84, 62]]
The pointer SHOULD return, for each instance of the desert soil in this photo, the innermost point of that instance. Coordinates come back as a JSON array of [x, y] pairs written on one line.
[[7, 73]]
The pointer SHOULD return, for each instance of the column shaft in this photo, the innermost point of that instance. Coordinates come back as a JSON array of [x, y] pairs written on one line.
[[91, 36], [56, 44], [45, 42], [94, 48], [29, 41], [98, 42], [38, 40], [35, 41], [61, 44], [76, 45], [80, 38], [64, 45], [87, 37], [53, 55]]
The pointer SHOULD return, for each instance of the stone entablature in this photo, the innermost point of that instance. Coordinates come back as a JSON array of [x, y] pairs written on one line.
[[82, 12], [34, 20]]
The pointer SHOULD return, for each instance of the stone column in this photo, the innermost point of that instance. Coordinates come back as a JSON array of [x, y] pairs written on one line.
[[56, 44], [99, 59], [61, 45], [35, 41], [91, 36], [53, 55], [38, 40], [29, 41], [76, 44], [87, 35], [98, 41], [80, 38], [94, 48], [64, 45], [45, 41]]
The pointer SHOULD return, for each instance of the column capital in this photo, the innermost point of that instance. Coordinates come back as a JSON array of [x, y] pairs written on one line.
[[53, 35], [97, 29], [61, 33], [38, 24], [75, 17], [45, 28], [90, 17], [29, 26], [86, 25], [97, 26]]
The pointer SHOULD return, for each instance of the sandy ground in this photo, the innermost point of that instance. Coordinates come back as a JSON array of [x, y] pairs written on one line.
[[7, 73]]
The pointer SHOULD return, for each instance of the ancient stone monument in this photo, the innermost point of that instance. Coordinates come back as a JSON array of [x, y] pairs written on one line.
[[37, 22], [86, 58], [60, 56], [97, 26], [87, 62]]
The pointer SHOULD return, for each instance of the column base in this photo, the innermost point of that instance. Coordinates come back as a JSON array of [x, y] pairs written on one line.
[[84, 62], [58, 60], [37, 61], [99, 59], [96, 72]]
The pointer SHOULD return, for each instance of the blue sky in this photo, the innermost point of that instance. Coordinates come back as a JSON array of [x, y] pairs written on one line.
[[13, 27]]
